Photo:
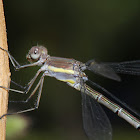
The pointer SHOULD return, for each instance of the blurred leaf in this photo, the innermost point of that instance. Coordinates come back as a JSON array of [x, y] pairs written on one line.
[[16, 126]]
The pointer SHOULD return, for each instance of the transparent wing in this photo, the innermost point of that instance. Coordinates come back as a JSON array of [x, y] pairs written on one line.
[[127, 67], [96, 123], [102, 69]]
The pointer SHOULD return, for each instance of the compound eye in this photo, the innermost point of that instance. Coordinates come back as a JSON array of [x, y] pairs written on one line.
[[36, 50], [35, 53]]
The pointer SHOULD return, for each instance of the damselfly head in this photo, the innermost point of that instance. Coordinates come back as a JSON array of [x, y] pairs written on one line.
[[37, 53]]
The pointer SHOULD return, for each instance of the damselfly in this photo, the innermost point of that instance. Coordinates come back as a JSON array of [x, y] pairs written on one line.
[[96, 124]]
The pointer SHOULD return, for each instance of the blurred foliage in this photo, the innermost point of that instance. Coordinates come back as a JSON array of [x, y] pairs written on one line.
[[80, 29], [16, 127]]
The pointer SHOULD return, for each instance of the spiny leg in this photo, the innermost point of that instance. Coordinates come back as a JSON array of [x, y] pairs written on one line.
[[22, 87], [13, 61], [15, 64], [14, 90], [29, 85], [40, 83], [33, 92], [26, 88]]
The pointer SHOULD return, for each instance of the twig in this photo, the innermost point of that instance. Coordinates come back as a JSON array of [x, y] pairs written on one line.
[[4, 73]]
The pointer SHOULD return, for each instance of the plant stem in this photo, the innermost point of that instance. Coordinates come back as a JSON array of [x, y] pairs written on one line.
[[4, 73]]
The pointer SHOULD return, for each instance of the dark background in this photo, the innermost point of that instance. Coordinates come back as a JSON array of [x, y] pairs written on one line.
[[83, 30]]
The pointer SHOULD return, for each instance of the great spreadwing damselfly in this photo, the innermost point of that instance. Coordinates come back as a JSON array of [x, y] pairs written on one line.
[[96, 123]]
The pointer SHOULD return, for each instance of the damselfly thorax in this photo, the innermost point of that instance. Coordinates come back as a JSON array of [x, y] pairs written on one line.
[[66, 70]]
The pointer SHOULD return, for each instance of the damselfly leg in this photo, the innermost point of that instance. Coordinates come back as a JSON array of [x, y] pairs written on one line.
[[16, 65], [26, 88], [36, 104]]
